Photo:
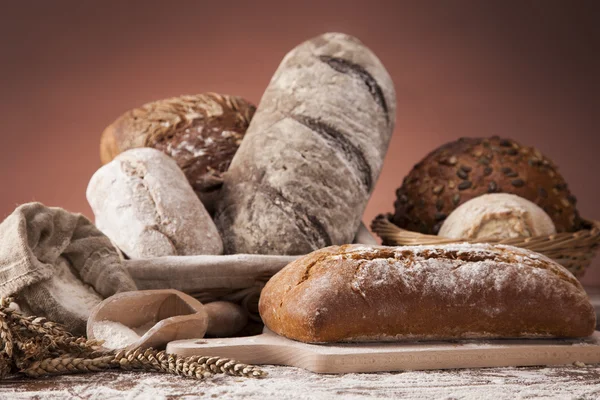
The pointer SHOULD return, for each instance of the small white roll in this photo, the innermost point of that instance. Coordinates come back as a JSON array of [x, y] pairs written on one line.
[[497, 216], [144, 203]]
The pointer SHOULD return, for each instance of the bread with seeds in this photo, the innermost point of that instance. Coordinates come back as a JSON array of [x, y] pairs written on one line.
[[200, 132], [469, 167], [456, 291], [305, 170]]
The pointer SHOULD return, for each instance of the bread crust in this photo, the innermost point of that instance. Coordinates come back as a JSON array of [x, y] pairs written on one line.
[[143, 202], [497, 216], [312, 154], [374, 293], [200, 132], [469, 167]]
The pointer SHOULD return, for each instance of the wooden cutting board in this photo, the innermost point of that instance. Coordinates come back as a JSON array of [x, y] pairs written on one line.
[[269, 348]]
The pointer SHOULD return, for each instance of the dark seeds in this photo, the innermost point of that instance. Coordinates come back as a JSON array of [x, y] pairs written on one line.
[[465, 185], [465, 168], [492, 187], [439, 204], [456, 199], [506, 170], [517, 182], [487, 171], [462, 174], [505, 143], [542, 193], [440, 216]]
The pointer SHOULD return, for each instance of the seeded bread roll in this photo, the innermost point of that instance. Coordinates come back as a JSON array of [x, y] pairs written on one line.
[[200, 132], [459, 171], [375, 293], [497, 216], [144, 203], [303, 175]]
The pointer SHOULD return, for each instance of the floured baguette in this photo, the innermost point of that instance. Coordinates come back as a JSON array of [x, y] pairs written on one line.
[[312, 153], [374, 293]]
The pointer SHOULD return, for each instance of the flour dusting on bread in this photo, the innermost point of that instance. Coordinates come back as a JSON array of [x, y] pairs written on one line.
[[425, 292]]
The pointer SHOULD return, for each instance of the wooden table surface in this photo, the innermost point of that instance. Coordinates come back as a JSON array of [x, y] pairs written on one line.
[[566, 382]]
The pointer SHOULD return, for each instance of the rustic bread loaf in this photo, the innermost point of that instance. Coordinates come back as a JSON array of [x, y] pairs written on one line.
[[144, 203], [201, 132], [374, 293], [314, 149], [459, 171], [497, 216]]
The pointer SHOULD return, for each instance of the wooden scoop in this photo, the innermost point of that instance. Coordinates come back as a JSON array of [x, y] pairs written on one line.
[[168, 315]]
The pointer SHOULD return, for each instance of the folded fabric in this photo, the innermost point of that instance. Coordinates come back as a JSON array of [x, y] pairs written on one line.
[[58, 264]]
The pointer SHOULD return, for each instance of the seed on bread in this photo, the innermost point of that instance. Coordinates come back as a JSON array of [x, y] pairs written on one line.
[[527, 174]]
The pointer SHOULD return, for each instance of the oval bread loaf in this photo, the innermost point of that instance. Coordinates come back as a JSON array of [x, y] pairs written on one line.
[[144, 203], [497, 216], [374, 293], [303, 174]]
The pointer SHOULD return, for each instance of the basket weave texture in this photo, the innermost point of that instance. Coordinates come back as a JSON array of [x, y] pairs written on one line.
[[573, 250]]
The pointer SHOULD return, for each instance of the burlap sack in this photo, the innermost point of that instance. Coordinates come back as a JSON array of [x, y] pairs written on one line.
[[58, 264]]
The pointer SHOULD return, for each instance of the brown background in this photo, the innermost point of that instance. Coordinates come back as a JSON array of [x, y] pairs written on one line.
[[524, 69]]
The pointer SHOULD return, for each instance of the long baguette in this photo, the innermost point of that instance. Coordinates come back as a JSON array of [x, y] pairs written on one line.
[[312, 153]]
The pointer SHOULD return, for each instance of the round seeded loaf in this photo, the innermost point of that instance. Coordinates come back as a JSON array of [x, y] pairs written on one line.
[[144, 203], [305, 170], [200, 132], [497, 216], [469, 167]]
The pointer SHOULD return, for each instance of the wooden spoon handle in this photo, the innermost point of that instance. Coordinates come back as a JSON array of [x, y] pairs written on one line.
[[260, 349], [225, 318]]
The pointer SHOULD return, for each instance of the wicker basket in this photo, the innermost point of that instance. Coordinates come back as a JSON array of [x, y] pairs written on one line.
[[573, 250]]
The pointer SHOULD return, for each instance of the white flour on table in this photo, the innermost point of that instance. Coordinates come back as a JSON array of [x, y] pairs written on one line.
[[567, 382]]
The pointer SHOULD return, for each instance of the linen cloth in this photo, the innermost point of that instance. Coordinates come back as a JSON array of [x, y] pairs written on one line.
[[58, 264]]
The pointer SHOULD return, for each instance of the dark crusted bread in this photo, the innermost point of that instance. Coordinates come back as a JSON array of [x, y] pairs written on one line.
[[459, 171], [201, 132], [374, 293]]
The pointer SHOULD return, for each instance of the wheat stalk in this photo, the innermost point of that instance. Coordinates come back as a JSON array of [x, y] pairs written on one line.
[[144, 360], [37, 347]]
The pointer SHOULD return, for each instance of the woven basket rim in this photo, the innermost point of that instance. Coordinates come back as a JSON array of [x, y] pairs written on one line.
[[573, 250], [592, 229]]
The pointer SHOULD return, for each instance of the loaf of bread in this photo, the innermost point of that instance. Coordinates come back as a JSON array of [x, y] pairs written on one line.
[[144, 203], [375, 293], [305, 170], [459, 171], [497, 216], [200, 132]]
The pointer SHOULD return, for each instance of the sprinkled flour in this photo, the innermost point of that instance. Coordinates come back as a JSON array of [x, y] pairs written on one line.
[[70, 292], [117, 335], [565, 382]]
